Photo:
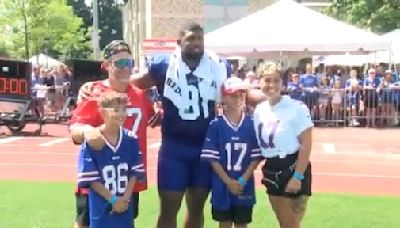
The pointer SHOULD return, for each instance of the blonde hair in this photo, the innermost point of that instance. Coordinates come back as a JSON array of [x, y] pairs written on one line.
[[112, 99], [268, 68]]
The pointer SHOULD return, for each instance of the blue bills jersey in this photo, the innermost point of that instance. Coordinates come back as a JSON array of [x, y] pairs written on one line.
[[234, 148], [174, 125], [113, 166]]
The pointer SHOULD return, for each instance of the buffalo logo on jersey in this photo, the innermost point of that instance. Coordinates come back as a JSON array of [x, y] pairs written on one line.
[[178, 90]]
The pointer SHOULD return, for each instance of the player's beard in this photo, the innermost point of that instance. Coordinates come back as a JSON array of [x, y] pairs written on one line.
[[193, 56]]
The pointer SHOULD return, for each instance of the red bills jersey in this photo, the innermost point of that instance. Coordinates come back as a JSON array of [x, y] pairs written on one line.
[[139, 111]]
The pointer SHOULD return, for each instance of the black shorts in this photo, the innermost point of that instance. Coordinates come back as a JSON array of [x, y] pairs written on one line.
[[310, 99], [82, 208], [371, 99], [237, 214], [278, 171]]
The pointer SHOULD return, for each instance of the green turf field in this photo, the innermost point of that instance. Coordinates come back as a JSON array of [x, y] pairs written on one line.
[[38, 204]]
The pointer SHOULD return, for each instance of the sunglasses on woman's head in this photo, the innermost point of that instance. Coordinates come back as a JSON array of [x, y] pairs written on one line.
[[123, 63]]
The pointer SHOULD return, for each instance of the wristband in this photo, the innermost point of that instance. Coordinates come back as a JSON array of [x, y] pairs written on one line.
[[113, 200], [298, 176], [242, 181]]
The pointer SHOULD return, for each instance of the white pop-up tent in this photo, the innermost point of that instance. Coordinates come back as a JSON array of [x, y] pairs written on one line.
[[44, 60], [392, 55], [288, 28], [343, 60]]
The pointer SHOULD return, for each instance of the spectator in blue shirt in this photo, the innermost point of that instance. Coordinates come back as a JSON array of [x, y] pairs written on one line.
[[353, 88], [309, 85], [371, 98], [293, 88]]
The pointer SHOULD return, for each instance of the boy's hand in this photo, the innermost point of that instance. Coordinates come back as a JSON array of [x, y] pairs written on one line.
[[94, 139], [121, 205], [235, 187]]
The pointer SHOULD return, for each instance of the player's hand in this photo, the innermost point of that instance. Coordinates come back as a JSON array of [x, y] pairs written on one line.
[[235, 187], [85, 91], [94, 139], [121, 205], [293, 186]]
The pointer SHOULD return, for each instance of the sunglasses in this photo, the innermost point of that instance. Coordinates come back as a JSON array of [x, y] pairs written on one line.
[[123, 63]]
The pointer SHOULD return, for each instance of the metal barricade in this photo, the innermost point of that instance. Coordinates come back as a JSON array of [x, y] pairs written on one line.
[[374, 107], [370, 107], [327, 106], [54, 102]]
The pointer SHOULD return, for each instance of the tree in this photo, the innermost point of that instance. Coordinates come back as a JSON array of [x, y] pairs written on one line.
[[83, 11], [3, 51], [378, 16], [110, 18], [42, 26], [80, 9], [110, 21]]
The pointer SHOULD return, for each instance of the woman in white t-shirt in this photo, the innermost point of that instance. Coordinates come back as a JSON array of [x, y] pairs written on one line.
[[284, 128]]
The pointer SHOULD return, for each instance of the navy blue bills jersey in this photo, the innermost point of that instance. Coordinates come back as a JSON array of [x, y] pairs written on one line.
[[112, 167], [174, 126], [234, 148]]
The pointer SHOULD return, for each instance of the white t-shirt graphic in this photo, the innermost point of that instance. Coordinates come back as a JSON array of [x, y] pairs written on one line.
[[278, 127]]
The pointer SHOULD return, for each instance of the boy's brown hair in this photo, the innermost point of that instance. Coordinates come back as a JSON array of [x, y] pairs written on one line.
[[112, 99]]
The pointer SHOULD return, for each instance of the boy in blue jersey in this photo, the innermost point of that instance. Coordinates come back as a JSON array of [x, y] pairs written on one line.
[[231, 147], [112, 172]]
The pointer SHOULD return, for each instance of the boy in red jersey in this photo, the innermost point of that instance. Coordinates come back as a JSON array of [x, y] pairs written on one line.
[[86, 118]]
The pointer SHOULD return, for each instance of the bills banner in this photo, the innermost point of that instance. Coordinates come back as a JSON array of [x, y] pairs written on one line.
[[158, 46]]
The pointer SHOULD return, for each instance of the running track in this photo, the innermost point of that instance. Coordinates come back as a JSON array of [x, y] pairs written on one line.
[[351, 160]]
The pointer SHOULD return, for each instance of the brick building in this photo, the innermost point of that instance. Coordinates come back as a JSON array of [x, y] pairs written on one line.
[[162, 19], [167, 15]]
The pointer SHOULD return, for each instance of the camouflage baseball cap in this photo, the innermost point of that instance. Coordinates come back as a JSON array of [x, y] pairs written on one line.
[[115, 47]]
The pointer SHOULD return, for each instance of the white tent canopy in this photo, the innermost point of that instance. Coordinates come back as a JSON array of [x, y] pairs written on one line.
[[343, 60], [43, 60], [288, 28], [392, 56]]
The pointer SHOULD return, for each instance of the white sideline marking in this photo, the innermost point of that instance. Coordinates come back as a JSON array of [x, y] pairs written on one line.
[[38, 153], [355, 175], [55, 141], [349, 175], [35, 164], [10, 139], [329, 148]]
